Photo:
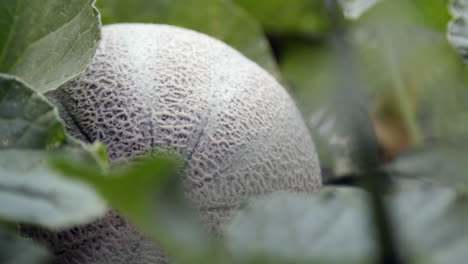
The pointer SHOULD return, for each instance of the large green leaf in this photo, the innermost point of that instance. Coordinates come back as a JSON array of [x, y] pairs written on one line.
[[33, 193], [334, 226], [46, 43], [17, 250], [331, 225], [26, 120], [219, 18], [311, 73], [29, 190], [288, 17], [434, 15], [444, 164]]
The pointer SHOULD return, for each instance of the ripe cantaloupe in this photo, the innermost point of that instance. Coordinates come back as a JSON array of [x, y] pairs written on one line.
[[153, 88]]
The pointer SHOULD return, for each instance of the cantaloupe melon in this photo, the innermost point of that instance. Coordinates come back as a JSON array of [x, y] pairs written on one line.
[[153, 88]]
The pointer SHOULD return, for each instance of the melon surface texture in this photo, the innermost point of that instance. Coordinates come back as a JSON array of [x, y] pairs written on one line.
[[154, 88]]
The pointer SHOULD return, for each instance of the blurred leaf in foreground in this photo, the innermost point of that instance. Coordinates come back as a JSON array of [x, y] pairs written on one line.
[[443, 164], [218, 18], [17, 250], [311, 73], [434, 15], [46, 43], [29, 190], [149, 193], [333, 226]]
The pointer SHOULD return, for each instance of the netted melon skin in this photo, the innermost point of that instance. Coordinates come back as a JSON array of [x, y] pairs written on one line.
[[154, 88], [110, 239]]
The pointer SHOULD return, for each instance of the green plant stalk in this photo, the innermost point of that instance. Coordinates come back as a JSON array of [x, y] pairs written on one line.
[[389, 253], [403, 98]]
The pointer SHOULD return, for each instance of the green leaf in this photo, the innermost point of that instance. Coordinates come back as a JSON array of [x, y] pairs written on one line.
[[288, 17], [26, 120], [301, 228], [434, 15], [29, 190], [17, 250], [334, 226], [46, 43], [445, 164], [129, 188], [218, 18], [32, 193], [311, 73]]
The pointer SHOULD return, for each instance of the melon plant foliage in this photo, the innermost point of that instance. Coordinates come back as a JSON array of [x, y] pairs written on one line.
[[384, 99]]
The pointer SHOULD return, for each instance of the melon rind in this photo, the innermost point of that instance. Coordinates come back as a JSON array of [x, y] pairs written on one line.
[[153, 88]]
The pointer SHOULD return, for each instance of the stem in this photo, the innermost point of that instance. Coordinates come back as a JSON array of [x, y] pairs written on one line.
[[364, 138], [409, 116], [388, 249]]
